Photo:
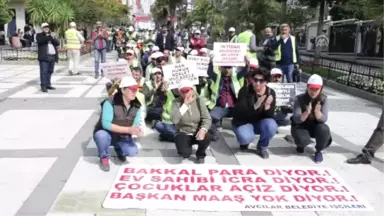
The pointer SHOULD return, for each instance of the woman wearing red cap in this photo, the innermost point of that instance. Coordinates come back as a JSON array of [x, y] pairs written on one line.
[[310, 112], [192, 121]]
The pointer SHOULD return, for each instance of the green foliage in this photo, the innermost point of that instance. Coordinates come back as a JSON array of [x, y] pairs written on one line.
[[205, 12], [60, 13], [348, 10], [374, 10], [260, 12], [298, 16], [56, 12], [161, 9], [5, 14]]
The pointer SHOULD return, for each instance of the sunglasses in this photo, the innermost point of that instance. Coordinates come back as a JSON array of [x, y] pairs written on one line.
[[227, 67], [258, 80], [276, 76], [157, 73]]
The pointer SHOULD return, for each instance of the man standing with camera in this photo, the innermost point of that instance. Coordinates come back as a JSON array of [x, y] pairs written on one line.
[[47, 54], [287, 53]]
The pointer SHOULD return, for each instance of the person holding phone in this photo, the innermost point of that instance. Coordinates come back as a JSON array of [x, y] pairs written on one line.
[[310, 113], [192, 120], [99, 38], [254, 112], [48, 55]]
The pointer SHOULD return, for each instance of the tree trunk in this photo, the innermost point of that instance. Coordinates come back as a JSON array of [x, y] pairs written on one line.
[[283, 11], [172, 13], [320, 28]]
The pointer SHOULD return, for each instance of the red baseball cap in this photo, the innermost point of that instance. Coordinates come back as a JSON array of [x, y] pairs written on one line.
[[315, 81]]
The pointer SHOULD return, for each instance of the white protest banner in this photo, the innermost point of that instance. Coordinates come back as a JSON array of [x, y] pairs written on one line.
[[229, 54], [285, 92], [174, 73], [199, 64], [116, 70], [231, 188]]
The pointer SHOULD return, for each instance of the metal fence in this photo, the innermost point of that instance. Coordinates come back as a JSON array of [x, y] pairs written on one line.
[[30, 53], [367, 77]]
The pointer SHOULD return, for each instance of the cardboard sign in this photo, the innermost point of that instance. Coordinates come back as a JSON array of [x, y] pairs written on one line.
[[231, 188], [116, 70], [285, 92], [173, 74], [199, 64], [229, 54]]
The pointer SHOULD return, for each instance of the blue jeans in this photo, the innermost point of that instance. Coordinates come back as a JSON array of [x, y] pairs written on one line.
[[288, 72], [218, 113], [103, 140], [109, 45], [167, 131], [46, 70], [100, 56], [245, 134], [281, 119]]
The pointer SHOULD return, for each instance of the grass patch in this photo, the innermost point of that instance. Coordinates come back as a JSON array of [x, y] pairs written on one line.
[[323, 72]]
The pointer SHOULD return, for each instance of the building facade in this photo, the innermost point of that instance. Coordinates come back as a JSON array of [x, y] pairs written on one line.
[[19, 19]]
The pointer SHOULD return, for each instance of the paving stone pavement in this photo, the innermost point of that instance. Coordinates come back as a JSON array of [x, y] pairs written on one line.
[[49, 164]]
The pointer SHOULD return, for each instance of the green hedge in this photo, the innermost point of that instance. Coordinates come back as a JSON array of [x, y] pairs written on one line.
[[366, 83]]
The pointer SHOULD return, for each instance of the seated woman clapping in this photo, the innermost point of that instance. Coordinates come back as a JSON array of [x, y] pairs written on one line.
[[192, 121], [254, 112], [310, 112]]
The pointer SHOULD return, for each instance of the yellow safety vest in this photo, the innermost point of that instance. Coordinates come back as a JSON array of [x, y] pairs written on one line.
[[141, 84], [237, 84], [134, 64], [234, 39], [150, 87], [278, 50], [204, 93], [167, 108], [73, 41], [148, 71], [140, 96], [245, 37]]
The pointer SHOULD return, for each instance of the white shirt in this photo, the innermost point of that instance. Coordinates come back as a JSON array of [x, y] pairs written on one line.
[[51, 49], [286, 39]]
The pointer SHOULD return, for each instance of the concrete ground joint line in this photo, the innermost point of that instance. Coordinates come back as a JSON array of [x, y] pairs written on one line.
[[40, 200]]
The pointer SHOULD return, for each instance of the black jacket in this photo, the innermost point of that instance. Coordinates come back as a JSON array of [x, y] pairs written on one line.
[[169, 42], [244, 111], [42, 46]]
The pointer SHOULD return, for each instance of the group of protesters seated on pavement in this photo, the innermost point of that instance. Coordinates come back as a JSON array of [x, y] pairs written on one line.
[[192, 114]]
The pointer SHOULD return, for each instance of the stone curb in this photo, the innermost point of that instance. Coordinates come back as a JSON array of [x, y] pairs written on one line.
[[350, 90]]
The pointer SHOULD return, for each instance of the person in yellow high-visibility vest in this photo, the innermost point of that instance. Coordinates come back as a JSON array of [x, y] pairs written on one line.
[[224, 88], [165, 127], [155, 94], [287, 53], [249, 39], [233, 38], [74, 41]]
